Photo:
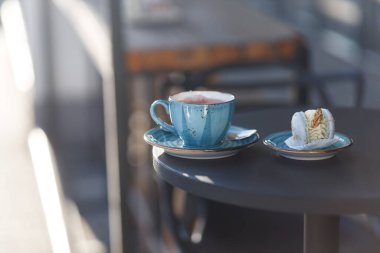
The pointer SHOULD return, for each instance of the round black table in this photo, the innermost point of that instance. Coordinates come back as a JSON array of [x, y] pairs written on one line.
[[259, 178]]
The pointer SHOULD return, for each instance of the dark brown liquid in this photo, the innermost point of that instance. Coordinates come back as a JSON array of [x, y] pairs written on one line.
[[201, 101]]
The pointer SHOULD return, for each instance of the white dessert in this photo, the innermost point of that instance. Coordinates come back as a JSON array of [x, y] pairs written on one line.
[[312, 125]]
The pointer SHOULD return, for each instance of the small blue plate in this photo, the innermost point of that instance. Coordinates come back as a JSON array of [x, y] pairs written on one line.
[[276, 141], [237, 138]]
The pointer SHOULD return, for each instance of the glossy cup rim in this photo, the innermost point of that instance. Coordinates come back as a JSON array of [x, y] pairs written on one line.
[[231, 97]]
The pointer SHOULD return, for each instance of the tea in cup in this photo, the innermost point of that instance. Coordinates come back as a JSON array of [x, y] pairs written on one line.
[[199, 118]]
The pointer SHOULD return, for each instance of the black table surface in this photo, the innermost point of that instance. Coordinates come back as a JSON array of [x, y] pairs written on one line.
[[258, 178]]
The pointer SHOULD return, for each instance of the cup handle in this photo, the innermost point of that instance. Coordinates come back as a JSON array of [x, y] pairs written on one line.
[[165, 126]]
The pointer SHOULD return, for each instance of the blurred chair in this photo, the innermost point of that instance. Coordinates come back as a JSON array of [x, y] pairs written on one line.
[[267, 85], [321, 82], [342, 35], [254, 86]]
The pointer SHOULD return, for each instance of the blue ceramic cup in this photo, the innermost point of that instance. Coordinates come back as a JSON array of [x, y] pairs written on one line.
[[199, 118]]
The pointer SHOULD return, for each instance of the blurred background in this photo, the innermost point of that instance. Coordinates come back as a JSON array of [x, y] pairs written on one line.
[[77, 78]]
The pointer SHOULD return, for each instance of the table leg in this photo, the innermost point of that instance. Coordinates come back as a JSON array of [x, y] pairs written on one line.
[[321, 234]]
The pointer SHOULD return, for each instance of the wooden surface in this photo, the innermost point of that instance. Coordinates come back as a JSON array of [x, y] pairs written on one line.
[[257, 178], [212, 32]]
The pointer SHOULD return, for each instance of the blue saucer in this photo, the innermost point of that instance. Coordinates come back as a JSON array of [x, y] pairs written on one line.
[[276, 141], [237, 138]]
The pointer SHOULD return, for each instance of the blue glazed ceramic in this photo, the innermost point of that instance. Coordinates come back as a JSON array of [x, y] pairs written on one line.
[[236, 139], [198, 125], [276, 141]]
